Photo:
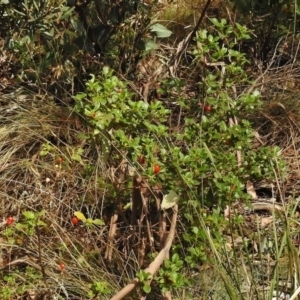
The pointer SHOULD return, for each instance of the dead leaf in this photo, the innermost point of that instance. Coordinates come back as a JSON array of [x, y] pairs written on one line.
[[250, 190], [266, 221], [227, 211]]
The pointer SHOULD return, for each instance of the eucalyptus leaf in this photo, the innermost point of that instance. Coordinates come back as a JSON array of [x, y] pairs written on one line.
[[169, 200], [151, 45]]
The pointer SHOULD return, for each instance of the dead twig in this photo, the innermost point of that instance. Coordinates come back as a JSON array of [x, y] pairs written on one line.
[[112, 232], [182, 46]]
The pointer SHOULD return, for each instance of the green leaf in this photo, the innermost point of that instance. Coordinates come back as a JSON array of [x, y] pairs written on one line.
[[43, 152], [256, 93], [203, 34], [50, 33], [151, 45], [98, 222], [89, 221], [76, 157], [106, 71], [67, 13], [160, 30], [127, 206], [81, 260], [80, 96], [41, 223], [29, 215], [147, 288], [195, 230]]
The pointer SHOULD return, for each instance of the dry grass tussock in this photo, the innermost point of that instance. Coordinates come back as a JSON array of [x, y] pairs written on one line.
[[278, 122], [33, 135]]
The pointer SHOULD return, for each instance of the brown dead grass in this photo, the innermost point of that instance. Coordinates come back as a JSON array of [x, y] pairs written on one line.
[[33, 182]]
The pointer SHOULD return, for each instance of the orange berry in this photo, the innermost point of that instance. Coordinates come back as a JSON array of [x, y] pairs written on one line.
[[62, 266], [74, 220], [207, 108], [156, 169], [9, 220]]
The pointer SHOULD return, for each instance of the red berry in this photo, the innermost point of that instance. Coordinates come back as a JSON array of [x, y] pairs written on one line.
[[74, 220], [141, 160], [59, 160], [62, 266], [9, 220], [156, 169], [207, 108]]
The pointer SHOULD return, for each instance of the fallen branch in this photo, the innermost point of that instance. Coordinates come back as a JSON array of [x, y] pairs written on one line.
[[257, 206], [155, 265]]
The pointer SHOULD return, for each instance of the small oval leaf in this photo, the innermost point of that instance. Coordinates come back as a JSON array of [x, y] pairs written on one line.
[[89, 221], [98, 222], [80, 215]]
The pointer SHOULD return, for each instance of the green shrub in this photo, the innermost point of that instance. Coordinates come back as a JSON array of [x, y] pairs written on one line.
[[207, 159], [202, 156]]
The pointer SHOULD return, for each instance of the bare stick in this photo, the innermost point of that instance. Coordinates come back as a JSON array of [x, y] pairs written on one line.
[[112, 232], [146, 213], [155, 265]]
